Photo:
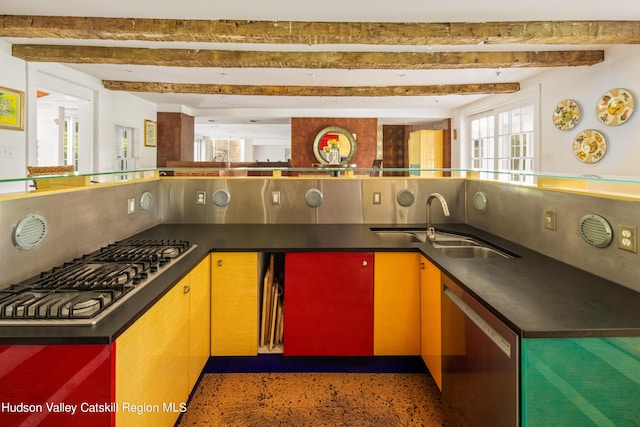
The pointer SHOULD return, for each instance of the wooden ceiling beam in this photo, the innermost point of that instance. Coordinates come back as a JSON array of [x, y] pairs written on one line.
[[314, 33], [365, 91], [310, 60]]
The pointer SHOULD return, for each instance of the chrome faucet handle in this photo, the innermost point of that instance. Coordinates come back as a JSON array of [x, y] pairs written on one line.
[[431, 234]]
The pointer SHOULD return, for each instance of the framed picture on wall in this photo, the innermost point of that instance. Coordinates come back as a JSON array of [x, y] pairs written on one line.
[[11, 109], [150, 133]]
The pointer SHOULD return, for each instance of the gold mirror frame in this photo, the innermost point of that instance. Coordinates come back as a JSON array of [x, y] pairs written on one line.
[[347, 144]]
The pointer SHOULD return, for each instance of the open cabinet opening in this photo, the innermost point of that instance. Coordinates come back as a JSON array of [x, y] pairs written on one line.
[[271, 301]]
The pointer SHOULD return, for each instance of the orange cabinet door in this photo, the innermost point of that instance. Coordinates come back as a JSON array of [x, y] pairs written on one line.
[[430, 313], [396, 327]]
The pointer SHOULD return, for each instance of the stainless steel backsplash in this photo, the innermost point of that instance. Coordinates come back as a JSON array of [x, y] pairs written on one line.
[[82, 221], [516, 213], [344, 201], [78, 222]]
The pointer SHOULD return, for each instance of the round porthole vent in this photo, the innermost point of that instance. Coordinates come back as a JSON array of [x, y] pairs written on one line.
[[30, 231], [480, 201], [405, 197], [313, 198], [596, 231], [221, 198], [146, 201]]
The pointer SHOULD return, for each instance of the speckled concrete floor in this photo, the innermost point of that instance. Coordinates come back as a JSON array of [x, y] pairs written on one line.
[[315, 399]]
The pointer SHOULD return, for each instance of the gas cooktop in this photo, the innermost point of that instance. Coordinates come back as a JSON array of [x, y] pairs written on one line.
[[85, 290]]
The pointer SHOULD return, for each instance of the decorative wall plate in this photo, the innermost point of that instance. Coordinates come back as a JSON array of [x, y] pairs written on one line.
[[566, 114], [589, 146], [615, 107]]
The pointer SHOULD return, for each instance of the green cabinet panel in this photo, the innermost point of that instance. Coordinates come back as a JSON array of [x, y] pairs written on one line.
[[581, 382]]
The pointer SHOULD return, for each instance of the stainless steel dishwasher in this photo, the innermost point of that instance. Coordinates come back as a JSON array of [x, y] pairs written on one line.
[[480, 363]]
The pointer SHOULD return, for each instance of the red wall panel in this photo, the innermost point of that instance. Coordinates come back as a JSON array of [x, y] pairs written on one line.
[[304, 131]]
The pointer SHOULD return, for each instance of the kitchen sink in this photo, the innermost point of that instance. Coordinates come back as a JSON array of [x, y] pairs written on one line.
[[472, 252], [451, 244], [458, 246], [401, 236]]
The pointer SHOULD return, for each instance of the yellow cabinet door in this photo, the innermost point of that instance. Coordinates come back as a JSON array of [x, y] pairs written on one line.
[[234, 304], [199, 318], [431, 336], [396, 304], [151, 363], [426, 152]]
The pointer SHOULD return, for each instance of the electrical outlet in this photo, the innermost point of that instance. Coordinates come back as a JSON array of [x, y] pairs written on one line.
[[549, 219], [275, 197], [6, 152], [201, 198], [131, 206], [377, 198], [627, 238]]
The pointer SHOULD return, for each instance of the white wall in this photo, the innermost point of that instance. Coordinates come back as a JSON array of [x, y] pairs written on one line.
[[620, 69], [112, 108], [129, 111], [48, 119], [12, 76], [271, 149]]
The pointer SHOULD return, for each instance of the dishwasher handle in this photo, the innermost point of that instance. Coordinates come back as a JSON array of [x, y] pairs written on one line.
[[495, 336]]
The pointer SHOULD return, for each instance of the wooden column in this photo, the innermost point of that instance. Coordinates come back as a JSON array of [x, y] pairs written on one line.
[[395, 152], [175, 137]]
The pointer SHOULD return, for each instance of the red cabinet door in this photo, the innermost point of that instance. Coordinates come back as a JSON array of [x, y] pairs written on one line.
[[57, 385], [328, 304]]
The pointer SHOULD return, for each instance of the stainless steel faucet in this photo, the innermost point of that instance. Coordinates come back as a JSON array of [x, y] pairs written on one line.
[[431, 232]]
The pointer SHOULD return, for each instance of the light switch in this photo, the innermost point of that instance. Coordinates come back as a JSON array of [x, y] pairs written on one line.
[[275, 197], [131, 206], [377, 198]]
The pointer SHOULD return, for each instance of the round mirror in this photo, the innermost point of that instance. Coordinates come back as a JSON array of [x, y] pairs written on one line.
[[334, 145]]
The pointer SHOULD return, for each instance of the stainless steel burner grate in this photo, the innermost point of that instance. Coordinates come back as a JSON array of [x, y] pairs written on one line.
[[86, 289]]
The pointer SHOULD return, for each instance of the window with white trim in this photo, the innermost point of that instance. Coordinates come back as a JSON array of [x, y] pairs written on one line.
[[482, 142], [503, 141]]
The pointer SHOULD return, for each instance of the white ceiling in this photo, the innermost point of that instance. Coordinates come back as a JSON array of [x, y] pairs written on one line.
[[264, 117]]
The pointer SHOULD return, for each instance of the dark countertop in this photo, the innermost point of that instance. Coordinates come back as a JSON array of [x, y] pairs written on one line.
[[535, 295]]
